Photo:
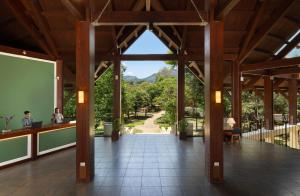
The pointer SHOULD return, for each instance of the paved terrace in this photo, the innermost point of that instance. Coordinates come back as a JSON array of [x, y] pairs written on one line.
[[159, 165]]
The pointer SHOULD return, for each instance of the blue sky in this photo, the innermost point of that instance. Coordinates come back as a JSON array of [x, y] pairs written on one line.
[[147, 43]]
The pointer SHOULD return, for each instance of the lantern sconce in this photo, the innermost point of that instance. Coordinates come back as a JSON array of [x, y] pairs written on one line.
[[80, 96], [218, 96]]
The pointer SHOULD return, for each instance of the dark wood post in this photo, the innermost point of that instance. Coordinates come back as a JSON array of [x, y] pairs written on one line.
[[180, 89], [85, 57], [117, 88], [268, 102], [59, 85], [236, 102], [214, 51], [292, 101]]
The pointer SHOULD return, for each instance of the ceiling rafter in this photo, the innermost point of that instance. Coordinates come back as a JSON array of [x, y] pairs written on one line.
[[253, 26], [42, 24], [72, 9], [266, 28], [18, 11], [226, 9]]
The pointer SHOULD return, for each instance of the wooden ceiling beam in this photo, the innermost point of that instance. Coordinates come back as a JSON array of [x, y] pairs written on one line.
[[271, 64], [18, 11], [42, 24], [72, 9], [279, 38], [253, 26], [148, 5], [290, 46], [277, 83], [155, 17], [226, 9], [266, 28], [287, 70], [250, 84]]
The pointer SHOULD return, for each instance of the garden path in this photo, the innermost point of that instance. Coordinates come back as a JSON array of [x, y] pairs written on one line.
[[149, 125]]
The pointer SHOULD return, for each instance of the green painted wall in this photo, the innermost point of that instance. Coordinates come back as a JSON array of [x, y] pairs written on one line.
[[13, 148], [56, 138], [26, 85]]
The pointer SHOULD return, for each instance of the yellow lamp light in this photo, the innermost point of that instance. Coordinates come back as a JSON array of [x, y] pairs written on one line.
[[80, 96], [218, 96]]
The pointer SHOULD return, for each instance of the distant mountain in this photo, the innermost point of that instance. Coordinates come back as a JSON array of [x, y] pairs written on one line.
[[165, 72]]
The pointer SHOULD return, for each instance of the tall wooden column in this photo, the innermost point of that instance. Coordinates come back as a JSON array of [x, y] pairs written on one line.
[[268, 102], [236, 102], [85, 117], [180, 89], [59, 85], [117, 88], [293, 101], [214, 51]]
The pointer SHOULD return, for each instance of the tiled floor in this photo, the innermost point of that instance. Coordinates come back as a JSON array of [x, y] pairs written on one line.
[[159, 165]]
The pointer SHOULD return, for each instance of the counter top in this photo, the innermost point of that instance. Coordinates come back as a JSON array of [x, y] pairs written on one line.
[[27, 131]]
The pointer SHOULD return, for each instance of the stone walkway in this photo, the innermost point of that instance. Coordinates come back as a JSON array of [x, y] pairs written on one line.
[[149, 125]]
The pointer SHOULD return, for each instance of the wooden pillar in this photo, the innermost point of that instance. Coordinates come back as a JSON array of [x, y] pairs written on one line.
[[292, 98], [180, 89], [85, 57], [214, 51], [59, 85], [268, 102], [236, 102], [117, 88]]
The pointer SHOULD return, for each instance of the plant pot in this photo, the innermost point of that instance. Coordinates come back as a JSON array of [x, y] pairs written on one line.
[[107, 129], [182, 135], [115, 135]]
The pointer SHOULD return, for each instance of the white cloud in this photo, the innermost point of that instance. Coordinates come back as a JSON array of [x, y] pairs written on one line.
[[129, 73]]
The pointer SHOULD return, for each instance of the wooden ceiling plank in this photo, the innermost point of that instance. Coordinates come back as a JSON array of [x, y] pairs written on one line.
[[42, 25], [72, 9], [250, 84], [148, 5], [226, 9], [271, 64], [155, 17], [288, 70], [253, 26], [18, 11], [265, 29], [290, 46]]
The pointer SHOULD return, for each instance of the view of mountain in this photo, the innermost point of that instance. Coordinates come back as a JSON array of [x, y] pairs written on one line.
[[165, 72]]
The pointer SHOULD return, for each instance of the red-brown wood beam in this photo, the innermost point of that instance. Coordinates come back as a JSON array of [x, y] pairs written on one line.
[[271, 64], [287, 70], [292, 99], [277, 83], [18, 11], [72, 9], [250, 84], [42, 24], [85, 50], [180, 89], [117, 88], [156, 17], [59, 85], [266, 28], [290, 46], [236, 102], [268, 103], [226, 9], [253, 26], [214, 65]]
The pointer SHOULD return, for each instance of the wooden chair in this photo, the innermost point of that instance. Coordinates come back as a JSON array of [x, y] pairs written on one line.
[[236, 135]]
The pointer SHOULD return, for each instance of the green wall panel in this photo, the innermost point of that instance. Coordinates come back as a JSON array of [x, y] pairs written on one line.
[[13, 148], [26, 84], [53, 139]]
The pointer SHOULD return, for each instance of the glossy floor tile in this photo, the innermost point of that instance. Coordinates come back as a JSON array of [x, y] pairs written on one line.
[[159, 165]]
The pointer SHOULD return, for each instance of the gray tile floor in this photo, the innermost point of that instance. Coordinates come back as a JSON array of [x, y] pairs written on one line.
[[159, 165]]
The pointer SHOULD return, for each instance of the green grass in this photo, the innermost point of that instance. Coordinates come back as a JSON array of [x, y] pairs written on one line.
[[134, 123], [99, 131]]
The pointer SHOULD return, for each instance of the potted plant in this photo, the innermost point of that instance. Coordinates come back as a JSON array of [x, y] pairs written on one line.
[[182, 127], [108, 125], [116, 129], [7, 119]]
